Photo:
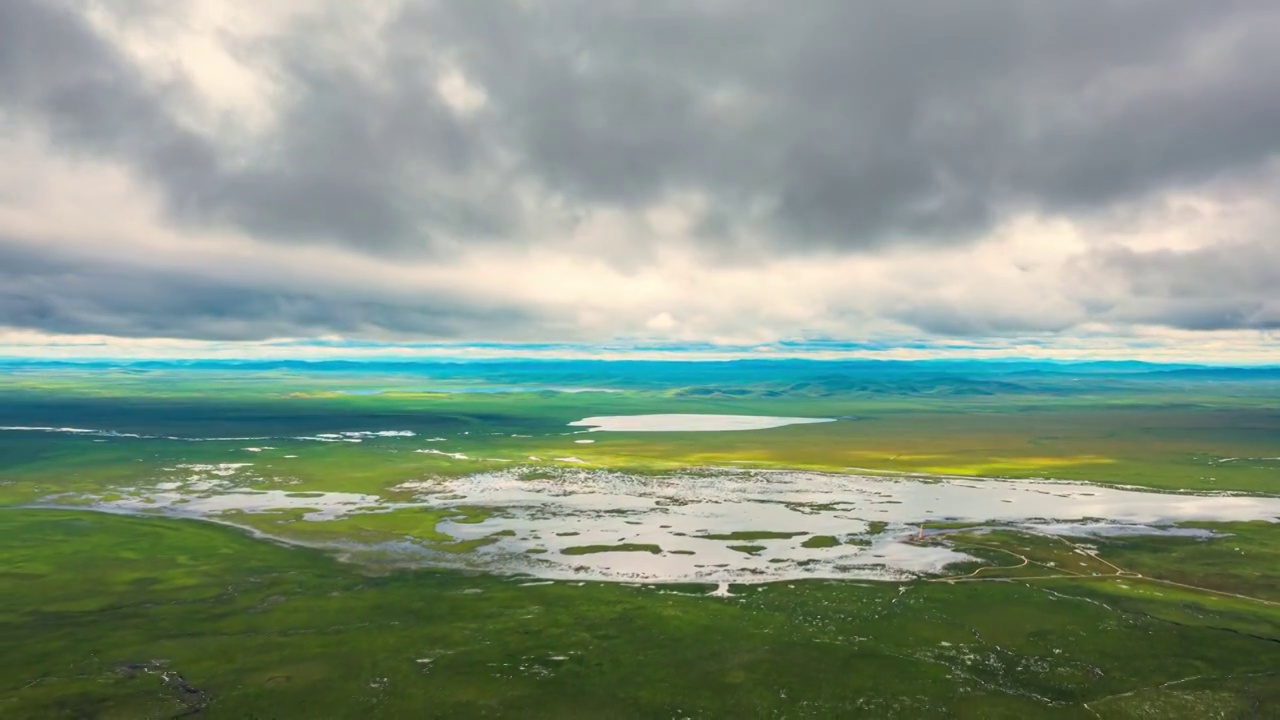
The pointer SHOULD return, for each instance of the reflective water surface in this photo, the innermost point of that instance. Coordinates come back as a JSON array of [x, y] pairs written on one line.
[[712, 524]]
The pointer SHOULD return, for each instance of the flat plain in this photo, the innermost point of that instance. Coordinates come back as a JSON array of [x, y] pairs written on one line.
[[442, 540]]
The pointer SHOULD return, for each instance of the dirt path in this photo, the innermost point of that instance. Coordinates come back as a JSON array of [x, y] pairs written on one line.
[[1118, 572]]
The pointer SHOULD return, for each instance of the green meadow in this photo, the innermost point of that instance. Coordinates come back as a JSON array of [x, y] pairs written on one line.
[[102, 613], [146, 614]]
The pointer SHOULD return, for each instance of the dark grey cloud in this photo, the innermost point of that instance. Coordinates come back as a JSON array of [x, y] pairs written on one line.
[[66, 293], [948, 319], [833, 124], [56, 72], [1232, 285], [349, 161], [851, 123]]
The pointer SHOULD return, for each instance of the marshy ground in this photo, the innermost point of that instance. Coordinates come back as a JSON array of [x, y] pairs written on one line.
[[906, 559]]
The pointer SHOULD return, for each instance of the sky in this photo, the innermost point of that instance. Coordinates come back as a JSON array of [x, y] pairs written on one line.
[[837, 177]]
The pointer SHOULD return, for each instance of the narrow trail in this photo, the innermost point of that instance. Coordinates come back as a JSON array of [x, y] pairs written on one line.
[[973, 575], [1171, 683], [1118, 572]]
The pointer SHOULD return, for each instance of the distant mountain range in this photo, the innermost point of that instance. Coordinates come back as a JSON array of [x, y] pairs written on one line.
[[723, 379]]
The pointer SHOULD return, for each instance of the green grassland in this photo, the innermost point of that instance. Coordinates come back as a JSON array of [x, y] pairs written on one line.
[[134, 617], [1159, 429], [97, 608], [1173, 447]]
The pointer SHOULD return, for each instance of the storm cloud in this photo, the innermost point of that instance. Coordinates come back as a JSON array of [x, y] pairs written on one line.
[[675, 152], [94, 296]]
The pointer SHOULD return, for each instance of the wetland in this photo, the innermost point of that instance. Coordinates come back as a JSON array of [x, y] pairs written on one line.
[[286, 548]]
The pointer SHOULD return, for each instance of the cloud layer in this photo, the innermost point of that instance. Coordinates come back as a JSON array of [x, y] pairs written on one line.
[[723, 171]]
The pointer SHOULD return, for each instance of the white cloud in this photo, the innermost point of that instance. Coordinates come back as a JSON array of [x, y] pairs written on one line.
[[461, 95], [1031, 277], [103, 259]]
